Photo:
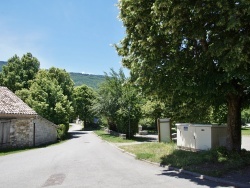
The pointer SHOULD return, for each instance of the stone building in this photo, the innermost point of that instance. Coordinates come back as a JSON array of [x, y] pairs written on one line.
[[21, 126]]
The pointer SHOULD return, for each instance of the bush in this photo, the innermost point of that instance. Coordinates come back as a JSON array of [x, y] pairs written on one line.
[[62, 131], [127, 124]]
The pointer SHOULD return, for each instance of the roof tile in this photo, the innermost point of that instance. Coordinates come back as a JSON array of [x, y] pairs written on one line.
[[11, 104]]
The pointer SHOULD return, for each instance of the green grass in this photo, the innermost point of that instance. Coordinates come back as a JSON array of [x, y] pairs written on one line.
[[150, 151], [9, 151], [116, 139], [13, 151], [245, 131], [215, 162]]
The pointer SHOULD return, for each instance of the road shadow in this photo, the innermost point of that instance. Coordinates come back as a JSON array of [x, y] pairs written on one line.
[[139, 138], [75, 134], [192, 178]]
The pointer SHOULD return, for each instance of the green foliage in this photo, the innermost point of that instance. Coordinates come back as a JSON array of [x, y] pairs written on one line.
[[84, 98], [92, 81], [108, 96], [119, 103], [64, 80], [245, 114], [62, 131], [2, 63], [196, 52], [46, 97], [19, 73]]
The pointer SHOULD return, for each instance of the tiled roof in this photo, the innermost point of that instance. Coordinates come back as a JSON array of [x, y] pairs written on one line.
[[11, 104]]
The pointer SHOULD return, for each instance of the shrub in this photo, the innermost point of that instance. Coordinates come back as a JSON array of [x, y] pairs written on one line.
[[62, 131]]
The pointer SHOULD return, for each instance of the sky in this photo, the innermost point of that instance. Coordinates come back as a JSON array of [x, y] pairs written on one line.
[[75, 35]]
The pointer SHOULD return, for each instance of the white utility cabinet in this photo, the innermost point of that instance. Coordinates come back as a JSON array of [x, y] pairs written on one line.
[[164, 130], [200, 136]]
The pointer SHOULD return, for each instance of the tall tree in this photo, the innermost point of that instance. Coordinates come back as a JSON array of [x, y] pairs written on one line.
[[47, 98], [119, 104], [64, 80], [18, 73], [108, 95], [191, 49], [83, 103]]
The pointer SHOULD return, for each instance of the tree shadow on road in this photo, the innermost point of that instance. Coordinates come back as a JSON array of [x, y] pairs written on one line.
[[75, 134], [193, 178]]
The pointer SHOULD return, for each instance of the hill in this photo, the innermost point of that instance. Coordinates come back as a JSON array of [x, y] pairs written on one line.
[[79, 79], [90, 80], [2, 63]]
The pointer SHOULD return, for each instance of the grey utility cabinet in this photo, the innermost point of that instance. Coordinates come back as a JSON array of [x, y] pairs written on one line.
[[200, 136]]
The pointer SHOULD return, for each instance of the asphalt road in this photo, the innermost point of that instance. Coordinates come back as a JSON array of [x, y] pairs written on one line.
[[87, 161], [245, 142]]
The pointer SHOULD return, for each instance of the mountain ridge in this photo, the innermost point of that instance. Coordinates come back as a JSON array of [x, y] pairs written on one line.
[[79, 79]]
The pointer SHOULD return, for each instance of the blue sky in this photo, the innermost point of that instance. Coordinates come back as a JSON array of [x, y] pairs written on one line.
[[75, 35]]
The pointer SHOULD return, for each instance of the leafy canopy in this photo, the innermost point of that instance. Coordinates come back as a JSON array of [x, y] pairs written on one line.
[[84, 98], [118, 103], [190, 49], [19, 73]]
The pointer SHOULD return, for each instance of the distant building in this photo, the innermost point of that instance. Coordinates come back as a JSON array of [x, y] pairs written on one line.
[[20, 125]]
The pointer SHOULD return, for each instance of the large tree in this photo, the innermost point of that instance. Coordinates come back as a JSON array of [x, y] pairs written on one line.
[[119, 104], [84, 98], [46, 96], [64, 80], [19, 73], [191, 49]]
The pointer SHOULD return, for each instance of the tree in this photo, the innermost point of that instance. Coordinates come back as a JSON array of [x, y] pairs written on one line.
[[119, 104], [153, 109], [64, 80], [84, 98], [129, 114], [191, 49], [47, 98], [18, 73]]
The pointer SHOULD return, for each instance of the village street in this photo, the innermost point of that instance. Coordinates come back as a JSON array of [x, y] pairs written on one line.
[[87, 161]]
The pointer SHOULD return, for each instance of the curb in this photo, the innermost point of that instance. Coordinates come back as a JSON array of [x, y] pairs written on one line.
[[200, 176]]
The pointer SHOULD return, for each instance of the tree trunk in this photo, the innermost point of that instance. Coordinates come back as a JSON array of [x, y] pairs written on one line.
[[234, 123], [156, 124]]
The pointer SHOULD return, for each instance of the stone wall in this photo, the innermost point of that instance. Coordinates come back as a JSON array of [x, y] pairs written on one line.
[[45, 131], [22, 130], [19, 133]]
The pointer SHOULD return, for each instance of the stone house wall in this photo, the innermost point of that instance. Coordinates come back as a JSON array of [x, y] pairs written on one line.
[[45, 131], [20, 132]]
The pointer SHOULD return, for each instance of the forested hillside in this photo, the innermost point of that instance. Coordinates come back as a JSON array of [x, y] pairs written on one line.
[[88, 79], [1, 64], [79, 79]]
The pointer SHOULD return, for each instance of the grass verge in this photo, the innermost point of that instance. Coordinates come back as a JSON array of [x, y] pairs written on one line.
[[9, 151], [245, 131], [116, 139], [215, 162]]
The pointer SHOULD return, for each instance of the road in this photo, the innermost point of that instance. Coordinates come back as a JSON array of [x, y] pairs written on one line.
[[87, 161], [245, 142]]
